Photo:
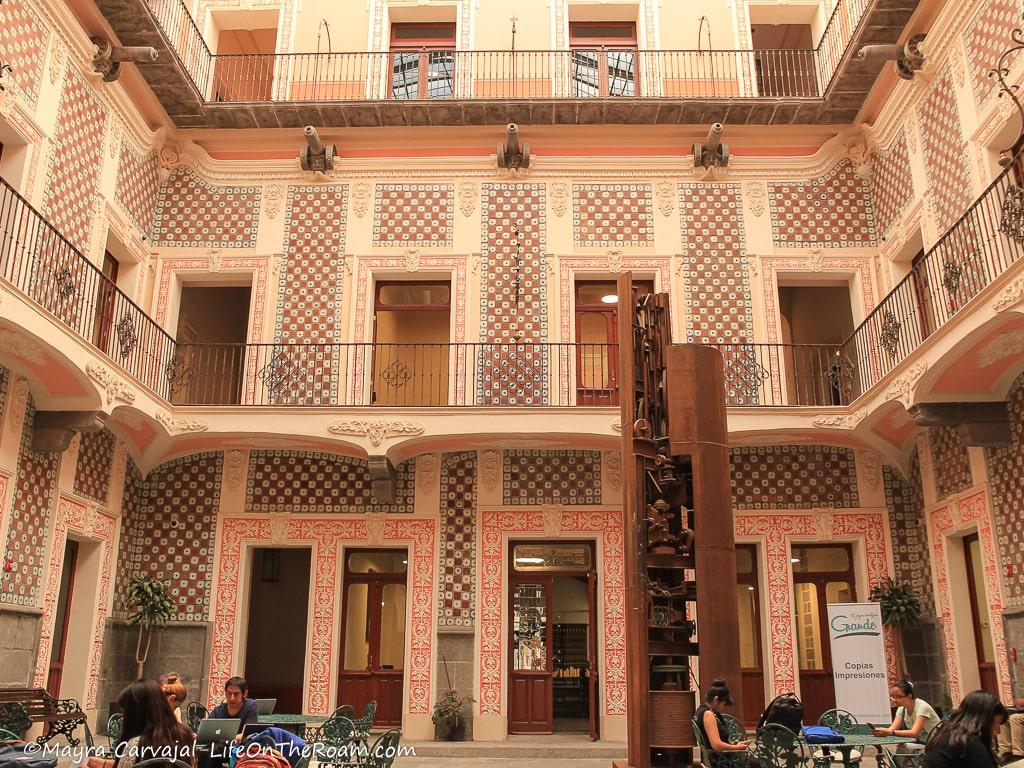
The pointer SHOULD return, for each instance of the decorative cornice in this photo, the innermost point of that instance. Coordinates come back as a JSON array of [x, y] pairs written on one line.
[[840, 420], [902, 388], [113, 387], [176, 425], [376, 431], [1010, 297]]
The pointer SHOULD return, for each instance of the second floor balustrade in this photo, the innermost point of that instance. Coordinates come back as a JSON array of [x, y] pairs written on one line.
[[511, 75]]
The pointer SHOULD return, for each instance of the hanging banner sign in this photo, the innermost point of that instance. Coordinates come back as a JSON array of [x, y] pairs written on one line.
[[858, 661]]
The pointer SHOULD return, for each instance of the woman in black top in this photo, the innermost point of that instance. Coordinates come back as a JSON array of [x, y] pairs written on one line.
[[967, 739], [712, 725]]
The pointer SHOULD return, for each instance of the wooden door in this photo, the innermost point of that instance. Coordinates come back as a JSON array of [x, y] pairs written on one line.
[[979, 615], [597, 335], [593, 667], [62, 617], [922, 295], [748, 603], [373, 633], [603, 59], [822, 574], [530, 691], [103, 311]]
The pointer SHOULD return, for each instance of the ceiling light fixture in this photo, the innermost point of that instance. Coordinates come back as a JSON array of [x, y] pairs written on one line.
[[611, 298]]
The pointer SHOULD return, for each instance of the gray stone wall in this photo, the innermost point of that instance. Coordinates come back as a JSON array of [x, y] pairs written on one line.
[[181, 648], [926, 662], [1013, 622], [456, 647], [19, 639]]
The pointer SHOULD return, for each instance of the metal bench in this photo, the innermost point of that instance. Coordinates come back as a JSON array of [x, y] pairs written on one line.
[[61, 716]]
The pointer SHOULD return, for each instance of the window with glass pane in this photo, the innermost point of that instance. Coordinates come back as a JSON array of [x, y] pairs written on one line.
[[551, 557], [377, 562], [594, 372], [744, 560], [821, 559], [621, 73], [808, 627], [357, 627], [586, 79], [529, 627], [392, 626], [440, 74], [837, 592], [405, 75], [746, 597]]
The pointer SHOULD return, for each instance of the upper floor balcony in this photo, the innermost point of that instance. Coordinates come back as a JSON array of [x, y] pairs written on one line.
[[438, 84]]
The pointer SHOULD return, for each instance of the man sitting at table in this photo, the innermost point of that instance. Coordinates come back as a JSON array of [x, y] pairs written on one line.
[[236, 704], [1011, 736]]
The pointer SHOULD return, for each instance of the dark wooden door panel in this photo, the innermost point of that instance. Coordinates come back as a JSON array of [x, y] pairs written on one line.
[[818, 694], [389, 699], [753, 695], [530, 701]]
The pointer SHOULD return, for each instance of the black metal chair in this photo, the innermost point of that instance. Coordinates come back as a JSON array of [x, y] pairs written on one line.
[[842, 722], [714, 759], [384, 750], [778, 747], [195, 713]]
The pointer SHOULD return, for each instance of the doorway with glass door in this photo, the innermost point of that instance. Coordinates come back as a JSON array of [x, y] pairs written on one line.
[[822, 574], [553, 678], [62, 617], [980, 623], [597, 335], [373, 632]]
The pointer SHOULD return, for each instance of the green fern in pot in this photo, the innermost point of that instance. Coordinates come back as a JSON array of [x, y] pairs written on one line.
[[901, 607]]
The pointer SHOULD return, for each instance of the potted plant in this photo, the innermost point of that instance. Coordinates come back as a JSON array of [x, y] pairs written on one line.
[[448, 710], [151, 607], [901, 607]]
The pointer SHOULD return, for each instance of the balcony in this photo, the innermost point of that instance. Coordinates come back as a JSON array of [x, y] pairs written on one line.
[[451, 87], [47, 269]]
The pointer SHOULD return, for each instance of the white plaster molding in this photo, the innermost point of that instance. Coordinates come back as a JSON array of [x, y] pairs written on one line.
[[1009, 344], [824, 523], [613, 468], [375, 527], [756, 193], [236, 464], [552, 514], [840, 420], [360, 199], [871, 469], [559, 198], [412, 260], [902, 387], [176, 425], [615, 262], [617, 426], [427, 467], [490, 469], [376, 431], [468, 191], [665, 193], [278, 520], [1011, 297], [273, 196], [114, 388]]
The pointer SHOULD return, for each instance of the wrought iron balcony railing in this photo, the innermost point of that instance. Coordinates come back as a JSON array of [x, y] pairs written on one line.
[[977, 249], [47, 268], [501, 74]]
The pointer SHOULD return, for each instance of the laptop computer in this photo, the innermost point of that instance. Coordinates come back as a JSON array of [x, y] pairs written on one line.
[[212, 731], [266, 706]]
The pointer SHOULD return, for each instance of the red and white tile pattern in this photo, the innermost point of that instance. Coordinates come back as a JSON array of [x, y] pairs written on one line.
[[905, 501], [23, 40], [831, 210], [88, 523], [714, 268], [174, 532], [551, 477], [327, 537], [945, 152], [1005, 470], [987, 36], [73, 179], [949, 456], [891, 184], [294, 481], [793, 476], [513, 303], [496, 526], [310, 290], [192, 212], [35, 489], [138, 186], [605, 215], [95, 459], [419, 215], [457, 606]]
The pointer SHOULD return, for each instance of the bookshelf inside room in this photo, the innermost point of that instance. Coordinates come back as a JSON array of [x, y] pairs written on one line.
[[570, 679]]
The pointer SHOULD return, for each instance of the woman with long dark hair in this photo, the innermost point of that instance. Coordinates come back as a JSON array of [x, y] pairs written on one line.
[[967, 739], [149, 728]]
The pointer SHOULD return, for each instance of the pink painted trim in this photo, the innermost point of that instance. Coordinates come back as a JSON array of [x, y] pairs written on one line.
[[94, 523], [325, 535], [494, 524]]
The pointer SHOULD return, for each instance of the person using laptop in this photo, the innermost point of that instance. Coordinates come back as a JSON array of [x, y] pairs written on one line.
[[150, 729], [236, 706]]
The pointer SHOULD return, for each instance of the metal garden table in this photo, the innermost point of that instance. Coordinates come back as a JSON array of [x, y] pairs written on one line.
[[860, 741], [294, 723]]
